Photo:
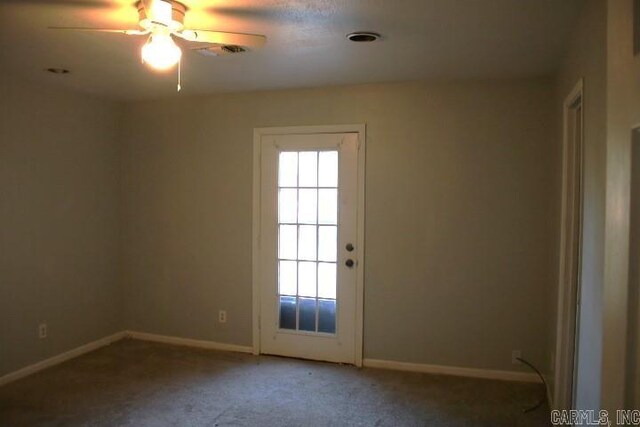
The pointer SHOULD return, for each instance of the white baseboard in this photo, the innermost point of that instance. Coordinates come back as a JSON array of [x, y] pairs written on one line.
[[452, 370], [211, 345], [55, 360], [79, 351]]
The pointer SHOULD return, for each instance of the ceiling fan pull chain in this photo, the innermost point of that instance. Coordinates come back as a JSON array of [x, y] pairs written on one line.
[[179, 72]]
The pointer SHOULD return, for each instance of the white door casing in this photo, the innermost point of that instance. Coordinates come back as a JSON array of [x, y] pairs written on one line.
[[569, 288]]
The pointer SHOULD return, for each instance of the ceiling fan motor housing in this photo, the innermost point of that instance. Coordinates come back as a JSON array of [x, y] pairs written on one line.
[[178, 11]]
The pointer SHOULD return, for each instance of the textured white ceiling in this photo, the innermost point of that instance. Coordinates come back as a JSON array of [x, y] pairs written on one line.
[[306, 46]]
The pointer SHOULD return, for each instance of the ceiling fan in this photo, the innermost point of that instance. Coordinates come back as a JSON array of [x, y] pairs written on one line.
[[162, 20]]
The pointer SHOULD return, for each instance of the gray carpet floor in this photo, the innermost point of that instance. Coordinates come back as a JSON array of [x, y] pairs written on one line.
[[136, 383]]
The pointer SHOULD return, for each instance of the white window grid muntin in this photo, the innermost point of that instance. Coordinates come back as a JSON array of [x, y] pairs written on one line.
[[297, 259]]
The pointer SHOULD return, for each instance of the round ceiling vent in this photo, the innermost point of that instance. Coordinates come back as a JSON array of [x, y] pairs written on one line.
[[363, 37]]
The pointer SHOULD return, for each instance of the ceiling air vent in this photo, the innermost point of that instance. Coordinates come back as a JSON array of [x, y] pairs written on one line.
[[218, 50], [55, 70], [231, 48]]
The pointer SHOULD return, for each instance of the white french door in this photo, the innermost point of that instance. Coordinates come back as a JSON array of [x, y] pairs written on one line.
[[308, 250]]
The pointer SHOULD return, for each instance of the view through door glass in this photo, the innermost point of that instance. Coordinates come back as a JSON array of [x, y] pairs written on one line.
[[307, 240]]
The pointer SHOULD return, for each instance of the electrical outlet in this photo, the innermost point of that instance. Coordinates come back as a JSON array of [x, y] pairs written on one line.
[[222, 316], [514, 356], [42, 330]]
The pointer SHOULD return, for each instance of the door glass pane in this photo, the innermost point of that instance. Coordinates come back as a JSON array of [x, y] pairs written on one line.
[[308, 169], [287, 205], [288, 241], [307, 314], [288, 169], [287, 278], [308, 206], [307, 289], [328, 169], [328, 206], [307, 279], [307, 242], [288, 312], [327, 316], [327, 243], [327, 280]]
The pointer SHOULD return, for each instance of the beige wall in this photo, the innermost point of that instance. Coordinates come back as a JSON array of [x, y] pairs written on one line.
[[59, 221], [461, 224], [586, 58]]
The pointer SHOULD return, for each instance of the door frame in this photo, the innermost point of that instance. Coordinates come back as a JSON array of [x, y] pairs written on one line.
[[258, 133], [633, 307], [568, 323]]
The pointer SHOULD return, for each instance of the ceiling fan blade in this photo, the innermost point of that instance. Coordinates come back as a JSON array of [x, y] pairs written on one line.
[[103, 30], [252, 41]]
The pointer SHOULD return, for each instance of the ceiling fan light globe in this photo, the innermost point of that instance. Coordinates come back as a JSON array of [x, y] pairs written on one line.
[[161, 52]]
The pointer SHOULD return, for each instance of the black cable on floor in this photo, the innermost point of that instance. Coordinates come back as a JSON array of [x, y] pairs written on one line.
[[544, 398]]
